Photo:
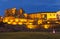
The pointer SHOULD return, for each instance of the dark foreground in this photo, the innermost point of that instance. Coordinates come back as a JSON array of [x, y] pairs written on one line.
[[29, 35]]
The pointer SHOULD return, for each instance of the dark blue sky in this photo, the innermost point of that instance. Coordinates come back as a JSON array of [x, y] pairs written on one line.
[[30, 5]]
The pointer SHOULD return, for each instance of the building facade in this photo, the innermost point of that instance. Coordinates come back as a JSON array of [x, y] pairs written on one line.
[[19, 17]]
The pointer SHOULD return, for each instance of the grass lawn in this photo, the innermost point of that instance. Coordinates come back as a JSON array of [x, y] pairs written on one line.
[[29, 35]]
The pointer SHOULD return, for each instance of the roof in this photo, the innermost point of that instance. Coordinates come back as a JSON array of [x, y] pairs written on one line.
[[41, 12]]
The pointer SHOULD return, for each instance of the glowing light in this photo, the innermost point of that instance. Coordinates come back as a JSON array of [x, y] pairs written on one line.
[[25, 15], [39, 21], [51, 16], [23, 20], [31, 26], [48, 22], [32, 16], [20, 23], [21, 11], [30, 20], [14, 23], [46, 26], [16, 20], [6, 20], [28, 23], [13, 10], [9, 22]]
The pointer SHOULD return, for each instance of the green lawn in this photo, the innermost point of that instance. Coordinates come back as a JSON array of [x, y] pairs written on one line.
[[29, 35]]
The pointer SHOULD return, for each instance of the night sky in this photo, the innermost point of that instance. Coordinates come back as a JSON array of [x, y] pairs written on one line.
[[30, 6]]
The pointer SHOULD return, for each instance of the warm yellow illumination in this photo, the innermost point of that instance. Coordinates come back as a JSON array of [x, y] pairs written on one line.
[[48, 22], [14, 23], [25, 15], [39, 21], [21, 11], [39, 15], [30, 20], [46, 26], [13, 10], [32, 16], [29, 23], [20, 23], [51, 16], [23, 20], [9, 22], [16, 20], [31, 26], [5, 20], [35, 16]]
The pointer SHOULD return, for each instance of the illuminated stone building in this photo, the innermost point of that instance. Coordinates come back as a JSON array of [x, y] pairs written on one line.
[[20, 13], [19, 17], [38, 17], [10, 12]]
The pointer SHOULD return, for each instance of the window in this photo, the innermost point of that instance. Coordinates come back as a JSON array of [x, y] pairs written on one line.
[[54, 14], [50, 14]]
